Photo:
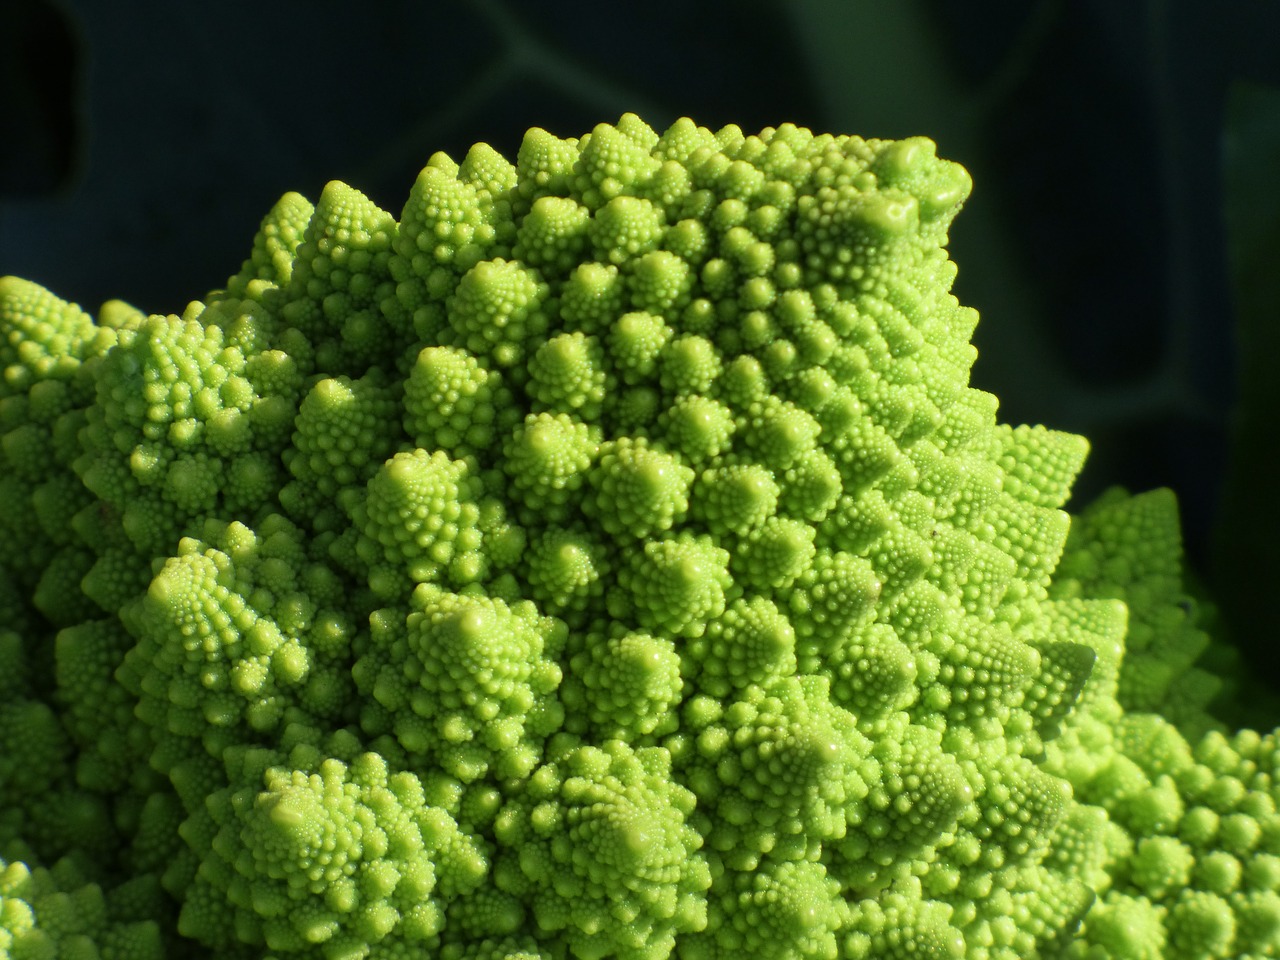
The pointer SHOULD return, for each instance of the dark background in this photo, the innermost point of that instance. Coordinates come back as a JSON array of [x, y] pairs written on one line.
[[1120, 243]]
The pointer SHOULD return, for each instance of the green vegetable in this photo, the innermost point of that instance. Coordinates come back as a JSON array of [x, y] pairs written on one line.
[[607, 559]]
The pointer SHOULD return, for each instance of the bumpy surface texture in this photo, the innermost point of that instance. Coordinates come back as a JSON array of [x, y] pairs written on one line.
[[606, 559]]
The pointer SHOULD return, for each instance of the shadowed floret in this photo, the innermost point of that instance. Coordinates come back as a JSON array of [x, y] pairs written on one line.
[[1130, 548], [61, 912]]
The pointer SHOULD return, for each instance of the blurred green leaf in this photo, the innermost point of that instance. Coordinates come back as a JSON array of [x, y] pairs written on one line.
[[1247, 562]]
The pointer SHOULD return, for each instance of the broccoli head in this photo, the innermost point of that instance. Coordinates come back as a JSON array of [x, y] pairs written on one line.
[[607, 558]]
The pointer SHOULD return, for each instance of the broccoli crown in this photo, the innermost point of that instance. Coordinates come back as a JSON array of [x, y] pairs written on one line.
[[606, 559]]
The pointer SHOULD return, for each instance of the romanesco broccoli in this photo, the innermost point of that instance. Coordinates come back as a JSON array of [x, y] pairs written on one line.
[[606, 559]]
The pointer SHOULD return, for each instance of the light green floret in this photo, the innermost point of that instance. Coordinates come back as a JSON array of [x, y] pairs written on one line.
[[1202, 923], [453, 403], [912, 809], [45, 338], [655, 586], [810, 487], [985, 670], [698, 428], [612, 161], [834, 594], [496, 312], [339, 441], [671, 186], [244, 657], [902, 926], [486, 912], [274, 247], [1039, 465], [592, 297], [660, 282], [507, 948], [873, 675], [544, 164], [341, 274], [797, 317], [553, 235], [443, 233], [491, 174], [635, 342], [777, 432], [688, 364], [181, 383], [436, 501], [1067, 668], [1198, 873], [912, 165], [625, 684], [752, 643], [467, 681], [330, 861], [567, 374], [546, 460], [566, 571], [676, 586], [598, 841], [774, 555], [184, 406], [743, 384], [261, 644], [780, 910], [1021, 806], [637, 490], [688, 239], [625, 228], [777, 770], [733, 499]]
